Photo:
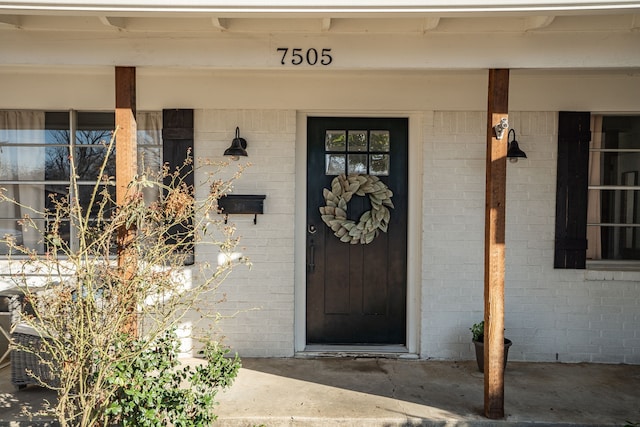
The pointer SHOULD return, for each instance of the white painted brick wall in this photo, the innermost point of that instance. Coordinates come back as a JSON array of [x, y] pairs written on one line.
[[259, 300], [580, 316]]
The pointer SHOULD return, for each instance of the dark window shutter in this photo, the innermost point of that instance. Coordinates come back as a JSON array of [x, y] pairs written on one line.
[[574, 136], [177, 146]]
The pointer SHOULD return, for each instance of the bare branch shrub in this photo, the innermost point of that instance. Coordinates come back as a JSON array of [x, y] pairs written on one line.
[[106, 293]]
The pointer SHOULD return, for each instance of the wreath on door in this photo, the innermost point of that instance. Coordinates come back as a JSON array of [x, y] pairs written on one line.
[[334, 213]]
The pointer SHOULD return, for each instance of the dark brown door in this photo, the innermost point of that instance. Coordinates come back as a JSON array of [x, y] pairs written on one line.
[[356, 291]]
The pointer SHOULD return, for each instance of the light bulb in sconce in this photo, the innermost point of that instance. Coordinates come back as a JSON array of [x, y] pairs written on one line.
[[238, 147], [513, 150]]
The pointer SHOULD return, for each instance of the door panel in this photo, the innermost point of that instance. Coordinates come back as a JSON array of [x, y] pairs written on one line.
[[356, 293]]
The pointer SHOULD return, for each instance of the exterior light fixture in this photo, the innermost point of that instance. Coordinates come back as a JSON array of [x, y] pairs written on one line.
[[513, 151], [237, 148]]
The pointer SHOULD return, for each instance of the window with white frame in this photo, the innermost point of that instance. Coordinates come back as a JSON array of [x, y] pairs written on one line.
[[613, 212], [35, 165]]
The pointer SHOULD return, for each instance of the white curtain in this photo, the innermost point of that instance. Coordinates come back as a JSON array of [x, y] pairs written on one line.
[[21, 162], [149, 140], [594, 248]]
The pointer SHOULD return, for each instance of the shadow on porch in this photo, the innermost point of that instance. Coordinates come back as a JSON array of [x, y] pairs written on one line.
[[392, 392], [363, 392]]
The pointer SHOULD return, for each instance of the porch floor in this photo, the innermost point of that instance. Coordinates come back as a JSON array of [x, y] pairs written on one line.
[[362, 392]]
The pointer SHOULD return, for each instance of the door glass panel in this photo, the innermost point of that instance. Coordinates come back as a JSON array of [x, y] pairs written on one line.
[[335, 164], [357, 163], [357, 140], [372, 148], [379, 164], [335, 140], [380, 140]]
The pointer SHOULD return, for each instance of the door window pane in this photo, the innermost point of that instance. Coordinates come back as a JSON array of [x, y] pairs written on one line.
[[380, 140], [379, 164], [335, 164], [335, 140], [357, 140], [372, 148], [357, 163]]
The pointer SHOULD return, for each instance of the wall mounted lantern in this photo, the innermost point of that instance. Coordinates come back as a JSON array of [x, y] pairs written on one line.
[[513, 151], [238, 147]]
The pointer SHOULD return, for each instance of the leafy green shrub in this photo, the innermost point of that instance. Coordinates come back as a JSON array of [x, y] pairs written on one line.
[[152, 391]]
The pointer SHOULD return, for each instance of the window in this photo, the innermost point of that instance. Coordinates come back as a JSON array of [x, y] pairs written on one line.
[[357, 151], [597, 206], [35, 165], [613, 213]]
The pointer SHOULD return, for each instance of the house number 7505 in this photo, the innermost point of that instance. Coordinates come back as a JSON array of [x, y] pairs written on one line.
[[311, 56]]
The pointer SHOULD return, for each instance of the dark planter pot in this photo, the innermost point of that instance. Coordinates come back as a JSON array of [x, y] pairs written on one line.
[[480, 353]]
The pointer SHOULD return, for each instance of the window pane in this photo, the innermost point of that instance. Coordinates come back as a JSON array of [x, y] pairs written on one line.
[[379, 164], [89, 160], [380, 140], [22, 234], [54, 195], [149, 160], [335, 164], [22, 163], [335, 140], [104, 121], [10, 229], [149, 128], [617, 206], [621, 132], [20, 157], [357, 163], [85, 195], [57, 163], [92, 138], [618, 243], [357, 140], [614, 166]]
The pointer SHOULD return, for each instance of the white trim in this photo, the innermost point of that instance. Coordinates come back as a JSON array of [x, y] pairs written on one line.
[[414, 228], [300, 233], [318, 6]]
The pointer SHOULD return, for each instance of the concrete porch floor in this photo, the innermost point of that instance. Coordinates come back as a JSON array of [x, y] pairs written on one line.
[[362, 392]]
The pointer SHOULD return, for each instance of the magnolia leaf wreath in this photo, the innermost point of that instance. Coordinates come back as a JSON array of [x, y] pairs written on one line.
[[334, 213]]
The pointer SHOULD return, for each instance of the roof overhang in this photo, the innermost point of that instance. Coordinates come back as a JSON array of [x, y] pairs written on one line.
[[322, 7]]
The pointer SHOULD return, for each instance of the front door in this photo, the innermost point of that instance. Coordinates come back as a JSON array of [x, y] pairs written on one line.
[[356, 230]]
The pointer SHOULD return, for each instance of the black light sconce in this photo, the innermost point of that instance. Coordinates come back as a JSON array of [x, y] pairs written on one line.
[[513, 151], [238, 147]]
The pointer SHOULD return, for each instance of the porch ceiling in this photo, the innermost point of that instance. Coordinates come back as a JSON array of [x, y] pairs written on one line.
[[337, 22]]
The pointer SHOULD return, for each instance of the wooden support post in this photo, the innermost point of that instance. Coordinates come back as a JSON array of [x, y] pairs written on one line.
[[126, 169], [495, 245]]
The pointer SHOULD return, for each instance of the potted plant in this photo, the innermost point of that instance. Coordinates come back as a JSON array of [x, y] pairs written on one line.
[[477, 330]]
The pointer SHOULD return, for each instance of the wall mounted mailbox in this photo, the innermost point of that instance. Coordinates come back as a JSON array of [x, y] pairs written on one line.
[[241, 204]]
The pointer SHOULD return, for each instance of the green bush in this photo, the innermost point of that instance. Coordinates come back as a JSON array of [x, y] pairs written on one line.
[[152, 390]]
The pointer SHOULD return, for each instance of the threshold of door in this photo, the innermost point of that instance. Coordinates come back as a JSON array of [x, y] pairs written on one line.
[[327, 350]]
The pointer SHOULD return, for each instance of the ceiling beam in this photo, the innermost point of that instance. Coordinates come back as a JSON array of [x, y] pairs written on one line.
[[220, 23], [430, 24], [537, 22], [114, 22], [9, 21], [326, 25]]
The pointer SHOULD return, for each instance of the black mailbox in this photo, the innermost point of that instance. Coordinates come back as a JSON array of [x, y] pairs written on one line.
[[241, 204]]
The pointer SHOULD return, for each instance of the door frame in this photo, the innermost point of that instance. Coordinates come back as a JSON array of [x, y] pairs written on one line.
[[414, 225]]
